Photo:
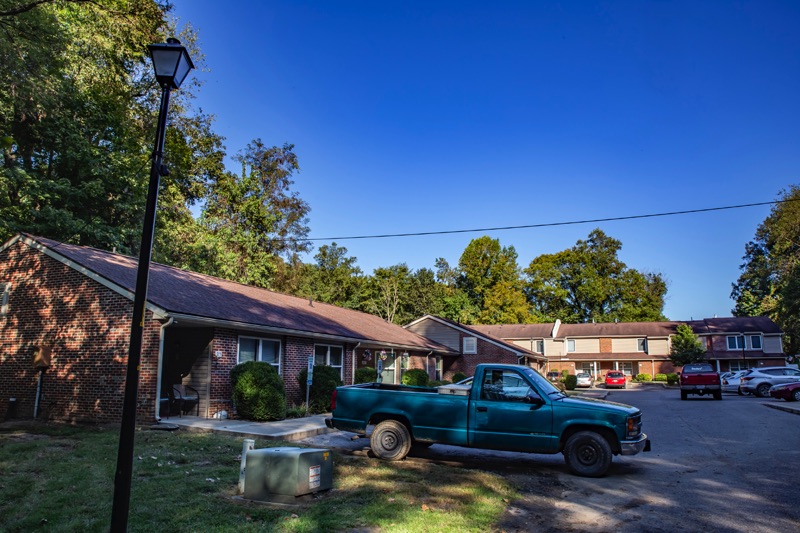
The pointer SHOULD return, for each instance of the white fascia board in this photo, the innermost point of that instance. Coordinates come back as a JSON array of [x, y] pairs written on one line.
[[476, 334], [157, 311]]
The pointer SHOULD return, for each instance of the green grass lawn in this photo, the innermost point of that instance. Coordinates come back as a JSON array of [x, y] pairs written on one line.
[[61, 478]]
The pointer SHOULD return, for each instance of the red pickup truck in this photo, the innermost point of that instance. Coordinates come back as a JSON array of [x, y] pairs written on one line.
[[700, 378]]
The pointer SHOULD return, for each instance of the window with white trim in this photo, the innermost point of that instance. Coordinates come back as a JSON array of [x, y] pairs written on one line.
[[5, 292], [625, 368], [329, 355], [641, 345], [540, 346], [735, 342], [570, 345], [470, 345], [258, 349], [755, 342]]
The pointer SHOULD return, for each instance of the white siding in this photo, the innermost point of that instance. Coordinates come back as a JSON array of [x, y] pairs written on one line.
[[660, 346], [587, 345], [624, 345], [554, 347], [438, 332]]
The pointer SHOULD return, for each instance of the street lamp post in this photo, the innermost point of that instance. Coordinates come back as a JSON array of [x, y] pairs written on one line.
[[172, 64]]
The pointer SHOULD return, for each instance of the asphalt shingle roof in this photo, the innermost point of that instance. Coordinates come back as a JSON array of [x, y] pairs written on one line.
[[199, 295]]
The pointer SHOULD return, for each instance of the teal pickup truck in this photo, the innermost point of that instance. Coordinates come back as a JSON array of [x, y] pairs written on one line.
[[506, 407]]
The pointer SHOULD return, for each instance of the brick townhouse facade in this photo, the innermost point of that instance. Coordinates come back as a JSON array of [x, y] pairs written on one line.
[[731, 343], [75, 304]]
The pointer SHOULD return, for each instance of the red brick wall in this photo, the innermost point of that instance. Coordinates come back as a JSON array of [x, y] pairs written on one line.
[[88, 326], [606, 345]]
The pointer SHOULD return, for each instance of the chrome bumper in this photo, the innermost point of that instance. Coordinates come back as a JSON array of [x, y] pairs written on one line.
[[632, 447]]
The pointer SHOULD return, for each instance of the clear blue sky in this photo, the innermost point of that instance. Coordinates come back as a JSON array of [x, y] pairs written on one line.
[[430, 116]]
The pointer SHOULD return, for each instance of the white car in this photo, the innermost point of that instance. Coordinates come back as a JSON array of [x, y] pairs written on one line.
[[584, 380], [730, 383]]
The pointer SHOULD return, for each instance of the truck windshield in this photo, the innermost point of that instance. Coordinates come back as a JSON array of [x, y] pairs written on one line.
[[542, 383]]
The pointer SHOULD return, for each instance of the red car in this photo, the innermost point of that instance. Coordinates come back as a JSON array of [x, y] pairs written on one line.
[[617, 379], [788, 391]]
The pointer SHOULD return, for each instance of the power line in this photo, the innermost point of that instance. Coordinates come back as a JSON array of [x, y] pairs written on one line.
[[548, 224]]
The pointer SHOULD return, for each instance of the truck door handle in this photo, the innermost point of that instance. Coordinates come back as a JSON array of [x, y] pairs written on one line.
[[481, 409]]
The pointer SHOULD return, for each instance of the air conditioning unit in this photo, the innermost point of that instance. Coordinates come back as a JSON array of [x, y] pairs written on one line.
[[285, 474]]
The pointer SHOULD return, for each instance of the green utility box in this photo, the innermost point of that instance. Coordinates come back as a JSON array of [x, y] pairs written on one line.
[[281, 474]]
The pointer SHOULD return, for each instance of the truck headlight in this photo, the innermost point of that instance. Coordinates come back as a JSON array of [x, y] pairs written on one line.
[[634, 426]]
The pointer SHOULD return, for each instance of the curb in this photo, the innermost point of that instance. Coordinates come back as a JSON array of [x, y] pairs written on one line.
[[784, 408]]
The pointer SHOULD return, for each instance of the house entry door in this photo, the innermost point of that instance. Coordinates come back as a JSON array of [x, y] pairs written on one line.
[[389, 365]]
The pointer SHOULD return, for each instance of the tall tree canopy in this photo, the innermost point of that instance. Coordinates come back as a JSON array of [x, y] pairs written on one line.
[[770, 281], [589, 282], [489, 276], [74, 115]]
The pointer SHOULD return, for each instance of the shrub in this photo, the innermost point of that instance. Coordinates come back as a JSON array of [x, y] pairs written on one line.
[[258, 392], [324, 382], [415, 376], [438, 383], [564, 374], [571, 381], [644, 377], [296, 411], [672, 379], [459, 376], [366, 374], [660, 377]]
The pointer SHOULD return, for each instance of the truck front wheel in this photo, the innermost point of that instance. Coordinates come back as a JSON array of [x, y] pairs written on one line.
[[390, 440], [587, 454]]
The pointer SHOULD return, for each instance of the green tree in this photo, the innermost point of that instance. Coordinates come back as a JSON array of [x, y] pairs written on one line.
[[685, 347], [588, 282], [490, 278], [768, 284], [334, 278], [74, 115], [253, 218]]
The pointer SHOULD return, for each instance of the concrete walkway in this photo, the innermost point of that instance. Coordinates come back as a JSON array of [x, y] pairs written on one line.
[[289, 429]]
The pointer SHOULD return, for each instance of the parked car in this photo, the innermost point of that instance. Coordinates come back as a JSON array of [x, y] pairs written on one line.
[[584, 380], [554, 376], [615, 378], [730, 383], [759, 380], [788, 391]]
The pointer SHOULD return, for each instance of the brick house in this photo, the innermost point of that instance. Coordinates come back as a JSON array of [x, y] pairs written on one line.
[[731, 343], [73, 305], [472, 347]]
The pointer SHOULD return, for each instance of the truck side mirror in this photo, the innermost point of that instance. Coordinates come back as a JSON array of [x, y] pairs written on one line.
[[533, 398]]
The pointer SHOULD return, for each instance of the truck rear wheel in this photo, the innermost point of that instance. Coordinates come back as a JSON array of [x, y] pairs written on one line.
[[587, 454], [390, 440]]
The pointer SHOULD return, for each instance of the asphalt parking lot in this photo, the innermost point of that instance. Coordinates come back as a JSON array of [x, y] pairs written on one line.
[[727, 465]]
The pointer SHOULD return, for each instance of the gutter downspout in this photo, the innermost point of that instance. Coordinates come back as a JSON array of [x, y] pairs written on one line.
[[164, 326], [353, 375]]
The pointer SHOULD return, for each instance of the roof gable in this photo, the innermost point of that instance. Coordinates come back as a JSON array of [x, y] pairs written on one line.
[[198, 295]]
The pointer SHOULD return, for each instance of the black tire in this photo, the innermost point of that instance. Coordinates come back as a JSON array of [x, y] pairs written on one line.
[[796, 395], [762, 391], [718, 395], [684, 395], [390, 440], [588, 454]]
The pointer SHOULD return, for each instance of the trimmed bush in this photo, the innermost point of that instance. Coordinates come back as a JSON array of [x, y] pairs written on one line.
[[366, 374], [564, 374], [258, 392], [644, 377], [660, 377], [438, 383], [459, 376], [571, 381], [416, 377], [324, 382], [672, 379]]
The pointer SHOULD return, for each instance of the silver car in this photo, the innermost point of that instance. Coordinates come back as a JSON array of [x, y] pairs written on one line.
[[759, 380], [584, 380], [730, 382]]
